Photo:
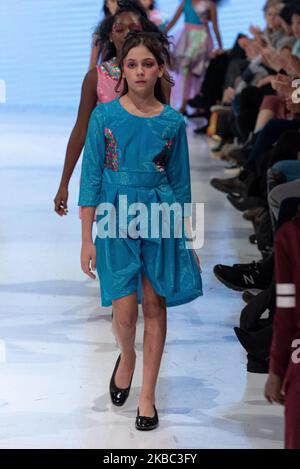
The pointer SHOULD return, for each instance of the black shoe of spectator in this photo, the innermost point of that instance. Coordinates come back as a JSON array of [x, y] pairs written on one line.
[[248, 296], [197, 114], [230, 186], [197, 102], [257, 365], [201, 130], [241, 280], [248, 266], [256, 343], [252, 213], [245, 203]]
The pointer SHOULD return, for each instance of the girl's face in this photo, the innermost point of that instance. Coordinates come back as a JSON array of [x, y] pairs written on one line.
[[296, 26], [141, 70], [146, 4], [272, 18], [122, 25], [112, 6]]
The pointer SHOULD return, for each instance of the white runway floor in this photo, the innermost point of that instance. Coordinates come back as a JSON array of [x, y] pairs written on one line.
[[57, 351]]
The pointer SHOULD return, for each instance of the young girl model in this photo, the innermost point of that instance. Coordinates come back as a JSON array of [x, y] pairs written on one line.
[[136, 148], [154, 14], [99, 86], [109, 8], [195, 44]]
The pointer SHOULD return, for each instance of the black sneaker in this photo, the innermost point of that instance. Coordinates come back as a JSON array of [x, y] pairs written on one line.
[[257, 365], [201, 130], [241, 279], [248, 266], [197, 102], [252, 213], [248, 296], [258, 343]]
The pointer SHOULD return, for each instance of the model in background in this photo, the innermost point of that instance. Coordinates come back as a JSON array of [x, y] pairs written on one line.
[[109, 8], [195, 45]]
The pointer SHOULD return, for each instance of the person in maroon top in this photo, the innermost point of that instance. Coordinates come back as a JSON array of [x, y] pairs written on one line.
[[283, 384]]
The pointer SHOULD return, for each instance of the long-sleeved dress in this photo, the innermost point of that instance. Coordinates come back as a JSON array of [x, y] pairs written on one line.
[[139, 160]]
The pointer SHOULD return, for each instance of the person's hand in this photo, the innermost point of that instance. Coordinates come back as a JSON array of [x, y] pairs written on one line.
[[197, 260], [295, 65], [88, 259], [255, 30], [286, 59], [277, 60], [217, 52], [271, 58], [228, 95], [283, 85], [61, 201], [263, 82], [274, 389]]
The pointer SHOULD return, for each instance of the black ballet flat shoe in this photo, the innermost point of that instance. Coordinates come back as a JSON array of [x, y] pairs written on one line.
[[118, 396], [146, 423]]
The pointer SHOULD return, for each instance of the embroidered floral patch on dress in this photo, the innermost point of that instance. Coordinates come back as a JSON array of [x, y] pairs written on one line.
[[111, 151], [160, 160], [111, 69]]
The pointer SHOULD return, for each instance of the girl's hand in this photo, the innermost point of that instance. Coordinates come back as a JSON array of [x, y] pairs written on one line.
[[197, 260], [61, 201], [88, 259], [274, 389]]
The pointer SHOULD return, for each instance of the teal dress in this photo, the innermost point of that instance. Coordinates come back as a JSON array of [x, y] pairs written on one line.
[[130, 163]]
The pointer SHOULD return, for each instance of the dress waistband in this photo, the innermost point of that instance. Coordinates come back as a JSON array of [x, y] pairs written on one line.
[[134, 178], [190, 26]]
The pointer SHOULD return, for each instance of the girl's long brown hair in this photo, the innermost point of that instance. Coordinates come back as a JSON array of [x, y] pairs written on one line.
[[158, 45]]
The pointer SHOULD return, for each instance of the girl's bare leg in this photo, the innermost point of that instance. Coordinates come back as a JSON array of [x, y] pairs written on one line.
[[124, 325], [155, 327], [185, 89]]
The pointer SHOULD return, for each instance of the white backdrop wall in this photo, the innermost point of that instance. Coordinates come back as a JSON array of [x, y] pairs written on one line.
[[45, 44]]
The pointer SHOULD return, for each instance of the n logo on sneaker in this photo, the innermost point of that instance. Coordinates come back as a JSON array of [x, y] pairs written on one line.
[[248, 279]]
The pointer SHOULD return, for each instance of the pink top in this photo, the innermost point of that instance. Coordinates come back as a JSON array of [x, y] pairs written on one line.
[[108, 76]]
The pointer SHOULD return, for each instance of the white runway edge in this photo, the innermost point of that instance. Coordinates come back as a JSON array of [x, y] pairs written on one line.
[[57, 351]]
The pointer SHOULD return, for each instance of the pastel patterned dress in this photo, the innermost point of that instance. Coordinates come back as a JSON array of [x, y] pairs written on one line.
[[193, 47], [142, 161]]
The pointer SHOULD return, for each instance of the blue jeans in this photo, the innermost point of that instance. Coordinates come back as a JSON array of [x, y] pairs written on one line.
[[267, 137], [289, 168]]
